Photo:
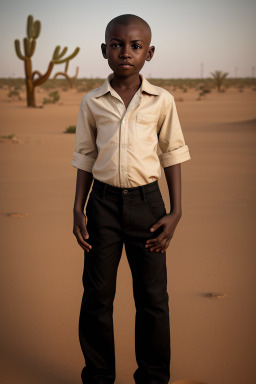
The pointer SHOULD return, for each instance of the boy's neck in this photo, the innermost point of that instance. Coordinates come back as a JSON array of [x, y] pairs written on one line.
[[126, 83]]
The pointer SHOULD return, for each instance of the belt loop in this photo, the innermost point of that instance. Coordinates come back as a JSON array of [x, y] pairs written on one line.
[[142, 192], [104, 191]]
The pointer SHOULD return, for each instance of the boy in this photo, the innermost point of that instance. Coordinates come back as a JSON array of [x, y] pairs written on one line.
[[119, 126]]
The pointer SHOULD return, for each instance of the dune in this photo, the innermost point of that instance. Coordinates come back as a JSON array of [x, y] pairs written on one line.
[[211, 259]]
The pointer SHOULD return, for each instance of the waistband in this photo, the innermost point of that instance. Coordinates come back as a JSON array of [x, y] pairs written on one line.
[[143, 190]]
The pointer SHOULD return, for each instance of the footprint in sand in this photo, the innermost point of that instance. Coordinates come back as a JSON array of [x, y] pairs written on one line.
[[187, 382], [215, 295], [17, 214]]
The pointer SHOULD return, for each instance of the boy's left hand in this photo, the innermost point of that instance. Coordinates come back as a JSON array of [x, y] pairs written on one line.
[[162, 241]]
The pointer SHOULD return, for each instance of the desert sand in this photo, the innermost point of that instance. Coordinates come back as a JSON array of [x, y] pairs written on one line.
[[211, 259]]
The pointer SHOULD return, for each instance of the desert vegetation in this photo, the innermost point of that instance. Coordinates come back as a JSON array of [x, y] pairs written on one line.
[[54, 96], [219, 78], [36, 78], [84, 85], [70, 129]]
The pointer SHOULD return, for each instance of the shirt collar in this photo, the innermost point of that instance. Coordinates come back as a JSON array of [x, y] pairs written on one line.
[[145, 87]]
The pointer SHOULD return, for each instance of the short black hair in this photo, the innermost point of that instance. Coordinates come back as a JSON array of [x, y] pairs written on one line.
[[126, 19]]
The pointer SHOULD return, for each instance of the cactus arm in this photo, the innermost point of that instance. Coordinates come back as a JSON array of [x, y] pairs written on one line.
[[67, 58], [33, 28], [66, 66], [66, 75], [61, 74], [36, 29], [32, 48], [18, 51], [61, 54], [76, 74], [36, 73], [30, 27], [56, 52], [44, 77]]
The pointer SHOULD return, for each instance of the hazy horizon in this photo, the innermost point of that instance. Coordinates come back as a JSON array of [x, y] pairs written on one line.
[[192, 38]]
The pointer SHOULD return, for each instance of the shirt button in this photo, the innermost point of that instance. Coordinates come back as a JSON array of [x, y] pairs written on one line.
[[123, 145]]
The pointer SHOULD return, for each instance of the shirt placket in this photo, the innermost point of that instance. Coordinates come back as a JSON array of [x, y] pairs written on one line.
[[123, 140], [123, 172]]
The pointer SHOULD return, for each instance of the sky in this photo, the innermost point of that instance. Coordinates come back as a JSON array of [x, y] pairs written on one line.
[[192, 37]]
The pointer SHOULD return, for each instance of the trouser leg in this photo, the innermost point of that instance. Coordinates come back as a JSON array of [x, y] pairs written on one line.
[[152, 328], [99, 280]]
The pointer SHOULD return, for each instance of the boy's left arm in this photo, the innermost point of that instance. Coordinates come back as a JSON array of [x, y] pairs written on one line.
[[169, 221]]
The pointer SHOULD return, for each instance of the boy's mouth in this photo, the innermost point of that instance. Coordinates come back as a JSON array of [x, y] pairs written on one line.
[[126, 64]]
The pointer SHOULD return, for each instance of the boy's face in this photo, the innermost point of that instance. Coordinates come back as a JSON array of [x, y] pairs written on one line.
[[127, 48]]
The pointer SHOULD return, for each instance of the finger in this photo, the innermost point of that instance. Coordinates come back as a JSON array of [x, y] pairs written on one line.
[[84, 232], [166, 245], [157, 246], [157, 225], [155, 240], [82, 241], [86, 249]]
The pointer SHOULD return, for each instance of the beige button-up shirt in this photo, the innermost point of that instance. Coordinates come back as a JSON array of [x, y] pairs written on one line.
[[119, 145]]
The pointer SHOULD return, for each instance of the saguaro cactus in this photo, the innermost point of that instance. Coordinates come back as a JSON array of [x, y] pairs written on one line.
[[65, 74], [35, 78]]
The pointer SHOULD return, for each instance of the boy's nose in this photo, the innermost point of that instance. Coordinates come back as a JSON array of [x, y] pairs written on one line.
[[125, 52]]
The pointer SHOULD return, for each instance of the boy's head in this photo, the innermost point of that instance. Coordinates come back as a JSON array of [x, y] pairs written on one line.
[[127, 44]]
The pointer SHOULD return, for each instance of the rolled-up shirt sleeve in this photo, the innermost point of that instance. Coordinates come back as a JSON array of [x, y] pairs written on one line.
[[86, 151], [170, 138]]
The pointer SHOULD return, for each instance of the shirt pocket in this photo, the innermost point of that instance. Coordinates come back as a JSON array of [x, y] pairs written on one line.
[[146, 126]]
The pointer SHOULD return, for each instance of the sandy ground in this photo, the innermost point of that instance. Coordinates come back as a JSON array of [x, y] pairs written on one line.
[[213, 338]]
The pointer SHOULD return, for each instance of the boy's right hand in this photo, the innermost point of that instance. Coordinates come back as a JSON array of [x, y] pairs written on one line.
[[80, 230]]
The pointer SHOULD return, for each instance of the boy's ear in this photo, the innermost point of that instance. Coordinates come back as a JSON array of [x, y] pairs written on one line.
[[104, 50], [150, 54]]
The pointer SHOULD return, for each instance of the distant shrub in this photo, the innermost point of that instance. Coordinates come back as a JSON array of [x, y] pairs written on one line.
[[8, 137], [54, 96], [204, 88], [70, 129], [183, 88], [14, 93]]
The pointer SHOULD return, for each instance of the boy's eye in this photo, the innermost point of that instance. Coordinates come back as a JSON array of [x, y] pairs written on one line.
[[136, 46], [115, 45]]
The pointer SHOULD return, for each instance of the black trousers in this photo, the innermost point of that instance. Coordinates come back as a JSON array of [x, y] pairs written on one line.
[[118, 216]]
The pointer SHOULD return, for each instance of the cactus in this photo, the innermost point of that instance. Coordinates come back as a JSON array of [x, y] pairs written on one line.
[[65, 74], [29, 45]]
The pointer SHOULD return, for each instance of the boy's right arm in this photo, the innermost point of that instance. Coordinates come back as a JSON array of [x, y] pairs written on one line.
[[83, 185]]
